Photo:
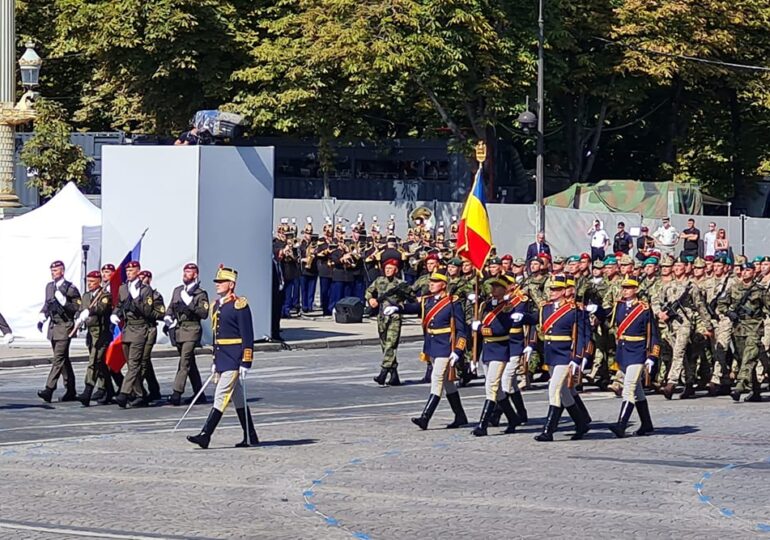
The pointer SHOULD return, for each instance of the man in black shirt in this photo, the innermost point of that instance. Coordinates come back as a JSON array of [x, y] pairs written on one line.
[[691, 237], [644, 244], [622, 241]]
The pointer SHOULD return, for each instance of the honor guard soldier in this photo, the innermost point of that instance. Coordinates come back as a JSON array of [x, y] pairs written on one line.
[[135, 307], [233, 355], [107, 270], [495, 326], [188, 307], [62, 303], [385, 291], [518, 303], [445, 334], [563, 333], [158, 312], [638, 349], [95, 315]]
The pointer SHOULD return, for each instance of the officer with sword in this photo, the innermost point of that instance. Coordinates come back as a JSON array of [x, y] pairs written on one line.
[[233, 355]]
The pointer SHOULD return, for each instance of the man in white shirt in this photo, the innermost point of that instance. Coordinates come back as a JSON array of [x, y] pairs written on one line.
[[709, 239], [667, 237], [599, 240]]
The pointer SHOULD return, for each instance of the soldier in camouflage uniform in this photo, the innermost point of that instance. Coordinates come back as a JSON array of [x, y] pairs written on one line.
[[534, 288], [716, 287], [95, 315], [596, 290], [745, 304], [685, 313], [420, 287], [700, 349], [386, 291]]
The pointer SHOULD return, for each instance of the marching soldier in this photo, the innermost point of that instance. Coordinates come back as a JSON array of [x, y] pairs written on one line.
[[388, 290], [636, 332], [188, 307], [233, 355], [95, 315], [135, 307], [445, 337], [519, 303], [422, 285], [107, 270], [495, 326], [158, 312], [62, 303], [563, 333], [723, 329]]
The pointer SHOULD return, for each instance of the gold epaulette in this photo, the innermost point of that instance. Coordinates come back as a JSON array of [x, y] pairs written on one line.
[[241, 302]]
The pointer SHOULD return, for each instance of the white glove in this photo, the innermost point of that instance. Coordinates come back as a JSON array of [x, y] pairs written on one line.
[[574, 367], [7, 339], [517, 317], [649, 364], [242, 371], [114, 319], [213, 368], [472, 297], [133, 289], [591, 308], [453, 359], [168, 319], [583, 364], [526, 350], [82, 317], [42, 318], [475, 325], [186, 298], [507, 297], [513, 359], [60, 297], [390, 310]]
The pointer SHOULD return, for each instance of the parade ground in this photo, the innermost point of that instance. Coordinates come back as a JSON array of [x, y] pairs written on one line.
[[339, 458]]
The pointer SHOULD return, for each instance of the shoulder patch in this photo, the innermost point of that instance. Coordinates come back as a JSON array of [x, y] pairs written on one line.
[[241, 302], [106, 300], [162, 309], [149, 300], [205, 305]]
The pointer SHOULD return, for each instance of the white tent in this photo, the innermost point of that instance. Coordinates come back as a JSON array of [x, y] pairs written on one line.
[[58, 230]]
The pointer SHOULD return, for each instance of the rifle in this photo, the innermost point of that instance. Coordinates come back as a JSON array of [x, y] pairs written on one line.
[[742, 311], [712, 306], [672, 309], [91, 304], [399, 292]]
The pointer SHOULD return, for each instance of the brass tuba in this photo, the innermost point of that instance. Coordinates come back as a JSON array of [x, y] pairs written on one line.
[[424, 213]]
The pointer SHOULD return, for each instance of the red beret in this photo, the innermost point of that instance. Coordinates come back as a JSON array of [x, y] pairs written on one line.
[[145, 273], [393, 262], [432, 257], [507, 257], [708, 258], [133, 264], [57, 264], [585, 257], [191, 266], [109, 266], [619, 254], [94, 274], [544, 256]]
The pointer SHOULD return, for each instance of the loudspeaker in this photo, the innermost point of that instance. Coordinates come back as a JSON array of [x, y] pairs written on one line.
[[349, 310]]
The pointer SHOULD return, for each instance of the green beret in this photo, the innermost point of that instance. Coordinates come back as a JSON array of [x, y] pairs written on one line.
[[651, 260]]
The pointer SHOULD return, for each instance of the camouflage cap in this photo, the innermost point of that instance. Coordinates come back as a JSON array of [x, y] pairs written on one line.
[[667, 261], [740, 260], [558, 259], [519, 261], [626, 259], [699, 263], [598, 264]]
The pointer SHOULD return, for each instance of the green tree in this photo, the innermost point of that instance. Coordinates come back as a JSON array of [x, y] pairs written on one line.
[[49, 152]]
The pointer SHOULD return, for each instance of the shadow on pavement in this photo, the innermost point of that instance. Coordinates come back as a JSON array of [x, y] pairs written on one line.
[[287, 442], [20, 406]]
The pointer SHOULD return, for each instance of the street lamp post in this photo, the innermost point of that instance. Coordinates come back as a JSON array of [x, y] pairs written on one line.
[[13, 115]]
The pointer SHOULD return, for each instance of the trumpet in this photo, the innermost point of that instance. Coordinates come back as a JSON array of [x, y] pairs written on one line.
[[288, 253]]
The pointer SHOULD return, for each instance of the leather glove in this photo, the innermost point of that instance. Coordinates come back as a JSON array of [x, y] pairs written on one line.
[[591, 308], [8, 339], [213, 368], [453, 359], [527, 350], [583, 364], [475, 325], [649, 364], [186, 298], [573, 367], [82, 317], [242, 371], [114, 319], [390, 310], [472, 297], [60, 297], [517, 317]]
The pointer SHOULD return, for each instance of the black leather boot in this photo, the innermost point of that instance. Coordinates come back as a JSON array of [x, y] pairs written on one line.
[[108, 393], [457, 408], [583, 409], [139, 401], [497, 414], [69, 395], [427, 412], [85, 397], [45, 394], [175, 399], [244, 417], [688, 392], [551, 421], [380, 379], [203, 438], [486, 414], [394, 380], [428, 373], [518, 404], [643, 409], [581, 425], [510, 415], [99, 394], [619, 429], [122, 400]]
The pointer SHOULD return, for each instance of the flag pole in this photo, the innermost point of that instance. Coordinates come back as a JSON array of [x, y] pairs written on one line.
[[481, 156]]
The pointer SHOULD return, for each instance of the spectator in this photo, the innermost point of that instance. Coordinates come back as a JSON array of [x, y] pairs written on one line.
[[623, 241], [691, 237], [599, 240], [188, 138], [644, 244], [666, 238], [721, 244], [709, 239], [538, 246]]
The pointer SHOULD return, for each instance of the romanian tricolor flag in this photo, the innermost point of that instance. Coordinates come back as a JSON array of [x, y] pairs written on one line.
[[474, 237]]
